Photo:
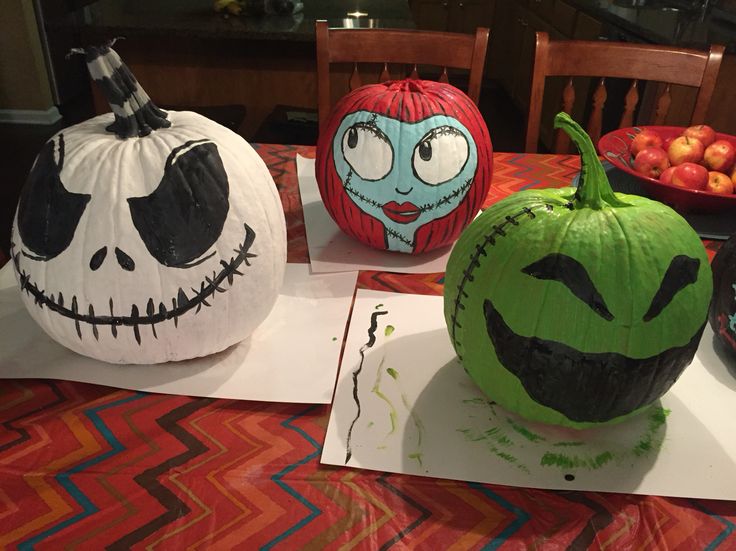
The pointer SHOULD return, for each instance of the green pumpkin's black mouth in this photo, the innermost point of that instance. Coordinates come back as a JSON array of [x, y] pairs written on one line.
[[585, 386], [180, 304]]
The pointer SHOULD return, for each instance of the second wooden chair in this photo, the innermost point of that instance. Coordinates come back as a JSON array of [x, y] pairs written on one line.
[[579, 58]]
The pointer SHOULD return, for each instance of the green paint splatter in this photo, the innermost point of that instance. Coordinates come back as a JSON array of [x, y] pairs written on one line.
[[417, 456], [379, 306], [525, 432], [474, 401], [334, 338], [391, 371], [392, 413], [651, 440], [575, 462], [568, 444], [389, 329], [370, 425]]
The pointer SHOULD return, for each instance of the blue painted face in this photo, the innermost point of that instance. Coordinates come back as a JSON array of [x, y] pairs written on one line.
[[402, 182]]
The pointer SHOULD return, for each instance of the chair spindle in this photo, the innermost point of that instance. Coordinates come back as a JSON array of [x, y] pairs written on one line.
[[630, 101], [385, 75], [355, 81], [596, 117], [663, 106], [443, 76]]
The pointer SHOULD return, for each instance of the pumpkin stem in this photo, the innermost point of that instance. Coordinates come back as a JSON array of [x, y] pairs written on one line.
[[135, 113], [594, 190]]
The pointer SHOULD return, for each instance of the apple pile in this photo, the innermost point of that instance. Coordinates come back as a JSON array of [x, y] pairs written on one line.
[[694, 160]]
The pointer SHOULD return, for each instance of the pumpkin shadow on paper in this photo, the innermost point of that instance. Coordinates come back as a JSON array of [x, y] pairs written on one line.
[[345, 249], [469, 437], [26, 351], [722, 364]]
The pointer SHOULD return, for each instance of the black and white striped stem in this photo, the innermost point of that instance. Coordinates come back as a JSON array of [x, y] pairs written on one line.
[[135, 113]]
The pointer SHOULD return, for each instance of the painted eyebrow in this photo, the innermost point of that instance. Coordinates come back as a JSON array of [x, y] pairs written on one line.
[[573, 275], [682, 271]]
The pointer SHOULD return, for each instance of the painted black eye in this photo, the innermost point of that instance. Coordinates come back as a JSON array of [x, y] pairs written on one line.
[[185, 215], [48, 214], [368, 151], [440, 155], [682, 271], [574, 276]]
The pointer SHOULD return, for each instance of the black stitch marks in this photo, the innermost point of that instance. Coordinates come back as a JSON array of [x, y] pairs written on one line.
[[480, 250], [181, 304]]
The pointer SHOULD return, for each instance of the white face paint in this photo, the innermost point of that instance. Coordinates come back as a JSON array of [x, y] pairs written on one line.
[[149, 249], [404, 174]]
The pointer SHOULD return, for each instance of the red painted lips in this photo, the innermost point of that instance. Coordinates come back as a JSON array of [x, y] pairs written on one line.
[[403, 213]]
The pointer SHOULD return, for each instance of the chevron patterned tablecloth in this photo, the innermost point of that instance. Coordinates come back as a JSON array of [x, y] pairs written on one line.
[[95, 467]]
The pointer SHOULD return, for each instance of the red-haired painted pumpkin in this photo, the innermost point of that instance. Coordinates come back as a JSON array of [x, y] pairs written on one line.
[[404, 165]]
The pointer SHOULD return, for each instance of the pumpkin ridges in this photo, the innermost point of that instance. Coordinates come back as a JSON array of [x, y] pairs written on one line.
[[340, 206], [550, 358]]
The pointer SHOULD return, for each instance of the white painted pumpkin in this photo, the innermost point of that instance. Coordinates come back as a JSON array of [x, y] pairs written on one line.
[[149, 249]]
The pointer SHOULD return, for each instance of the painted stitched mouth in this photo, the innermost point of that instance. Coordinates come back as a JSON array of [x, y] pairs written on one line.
[[585, 386], [459, 192], [180, 304], [403, 213]]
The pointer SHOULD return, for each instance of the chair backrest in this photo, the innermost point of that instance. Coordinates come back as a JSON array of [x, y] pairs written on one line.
[[409, 47], [639, 62]]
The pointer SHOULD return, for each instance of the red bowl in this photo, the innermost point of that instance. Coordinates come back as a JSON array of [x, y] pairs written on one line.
[[614, 147]]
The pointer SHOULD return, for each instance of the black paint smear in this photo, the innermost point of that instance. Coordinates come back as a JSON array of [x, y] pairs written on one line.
[[569, 477], [573, 275], [366, 346], [682, 271], [184, 216], [48, 214], [585, 386], [180, 305]]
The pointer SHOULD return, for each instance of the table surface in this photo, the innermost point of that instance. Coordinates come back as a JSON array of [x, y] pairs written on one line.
[[82, 464]]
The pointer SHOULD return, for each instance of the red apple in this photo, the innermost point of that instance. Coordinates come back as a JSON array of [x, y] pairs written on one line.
[[651, 162], [719, 156], [667, 141], [718, 182], [690, 176], [701, 132], [733, 177], [685, 150], [666, 176], [645, 138]]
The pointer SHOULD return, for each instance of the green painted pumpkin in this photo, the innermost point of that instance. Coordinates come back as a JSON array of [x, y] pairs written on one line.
[[722, 315], [577, 306]]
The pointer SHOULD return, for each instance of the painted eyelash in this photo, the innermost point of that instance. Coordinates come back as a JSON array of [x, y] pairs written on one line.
[[442, 131], [372, 127]]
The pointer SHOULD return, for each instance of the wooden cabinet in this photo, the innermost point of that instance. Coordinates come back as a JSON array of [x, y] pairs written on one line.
[[512, 46], [460, 16]]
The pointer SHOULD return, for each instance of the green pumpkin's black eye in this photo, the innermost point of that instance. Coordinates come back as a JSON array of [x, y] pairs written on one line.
[[574, 276], [682, 271], [184, 216], [48, 214]]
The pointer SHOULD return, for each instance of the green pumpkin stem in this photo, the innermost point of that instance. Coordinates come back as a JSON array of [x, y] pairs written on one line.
[[135, 113], [594, 190]]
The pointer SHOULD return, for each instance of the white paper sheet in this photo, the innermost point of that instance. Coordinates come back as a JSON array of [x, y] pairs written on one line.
[[291, 357], [332, 250], [421, 414]]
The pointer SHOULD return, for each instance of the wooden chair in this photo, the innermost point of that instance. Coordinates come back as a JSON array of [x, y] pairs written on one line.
[[410, 47], [662, 64]]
